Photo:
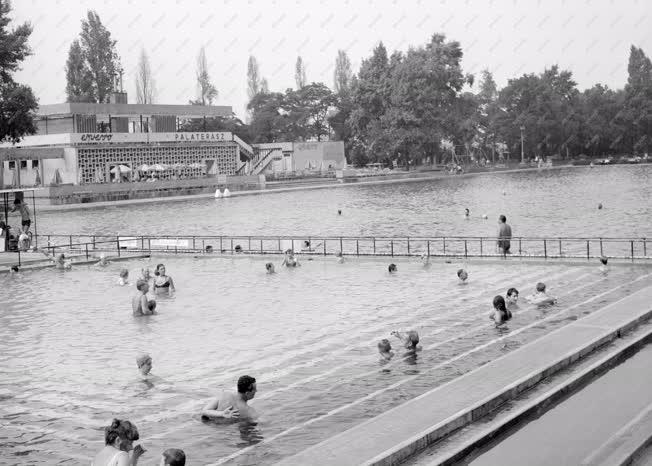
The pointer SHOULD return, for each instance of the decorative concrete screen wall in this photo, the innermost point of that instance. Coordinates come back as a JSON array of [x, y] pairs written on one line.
[[190, 161]]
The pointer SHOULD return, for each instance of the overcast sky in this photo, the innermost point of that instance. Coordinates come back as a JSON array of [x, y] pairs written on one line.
[[509, 37]]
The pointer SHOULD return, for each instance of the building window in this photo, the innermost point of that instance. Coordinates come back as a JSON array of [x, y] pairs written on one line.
[[12, 165], [23, 164], [34, 163]]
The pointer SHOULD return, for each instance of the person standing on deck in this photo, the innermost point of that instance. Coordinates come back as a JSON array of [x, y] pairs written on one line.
[[504, 235], [24, 213]]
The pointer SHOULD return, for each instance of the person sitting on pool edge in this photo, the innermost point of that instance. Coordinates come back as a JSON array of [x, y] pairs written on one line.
[[173, 457], [512, 297], [139, 303], [385, 350], [118, 439], [541, 297], [230, 405], [290, 260], [463, 276], [270, 268], [500, 314], [410, 339], [392, 268], [163, 282]]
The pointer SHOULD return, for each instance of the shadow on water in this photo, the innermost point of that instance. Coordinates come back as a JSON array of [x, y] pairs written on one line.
[[249, 433]]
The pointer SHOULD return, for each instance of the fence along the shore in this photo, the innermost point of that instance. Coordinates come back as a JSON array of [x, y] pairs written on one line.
[[443, 246]]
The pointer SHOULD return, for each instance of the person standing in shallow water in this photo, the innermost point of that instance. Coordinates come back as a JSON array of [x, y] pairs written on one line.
[[504, 235], [230, 405], [119, 438], [139, 303]]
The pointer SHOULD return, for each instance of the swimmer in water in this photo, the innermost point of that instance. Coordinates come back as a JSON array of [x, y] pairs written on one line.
[[59, 260], [463, 276], [238, 248], [512, 298], [603, 267], [339, 211], [103, 262], [541, 297], [385, 350], [139, 303], [124, 277], [340, 257], [163, 282], [392, 268], [230, 405], [144, 363], [500, 314], [467, 213], [409, 339], [290, 260], [425, 259], [173, 457], [209, 249], [270, 268]]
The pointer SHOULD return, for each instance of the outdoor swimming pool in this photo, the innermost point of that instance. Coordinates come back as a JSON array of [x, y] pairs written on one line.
[[68, 345], [557, 202]]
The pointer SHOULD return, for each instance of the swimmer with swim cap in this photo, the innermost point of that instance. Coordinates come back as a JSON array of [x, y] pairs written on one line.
[[462, 275], [500, 314], [392, 268], [340, 257], [385, 350], [603, 267], [270, 268]]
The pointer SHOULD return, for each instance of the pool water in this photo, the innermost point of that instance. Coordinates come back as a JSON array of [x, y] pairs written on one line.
[[68, 345]]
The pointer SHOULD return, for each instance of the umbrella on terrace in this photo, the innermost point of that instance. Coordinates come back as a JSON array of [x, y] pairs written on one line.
[[144, 168], [121, 168], [158, 167]]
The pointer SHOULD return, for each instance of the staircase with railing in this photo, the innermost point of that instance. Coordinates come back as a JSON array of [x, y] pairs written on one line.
[[263, 157]]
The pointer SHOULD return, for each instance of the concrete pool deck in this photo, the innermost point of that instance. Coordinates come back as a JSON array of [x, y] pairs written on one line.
[[405, 430]]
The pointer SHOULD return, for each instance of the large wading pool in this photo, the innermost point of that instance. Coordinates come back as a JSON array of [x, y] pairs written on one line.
[[68, 345]]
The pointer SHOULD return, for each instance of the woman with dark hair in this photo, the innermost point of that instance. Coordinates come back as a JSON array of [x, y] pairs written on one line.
[[163, 282], [500, 313], [118, 439]]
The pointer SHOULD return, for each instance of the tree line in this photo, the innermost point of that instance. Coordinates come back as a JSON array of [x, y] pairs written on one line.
[[412, 106]]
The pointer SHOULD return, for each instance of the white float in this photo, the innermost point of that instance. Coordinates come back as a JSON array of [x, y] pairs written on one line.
[[485, 216], [218, 193], [227, 193]]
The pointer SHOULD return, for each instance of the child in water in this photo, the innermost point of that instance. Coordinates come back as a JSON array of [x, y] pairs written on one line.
[[603, 267], [269, 267], [290, 260], [425, 260], [512, 297], [144, 363], [139, 303], [500, 314], [340, 258], [124, 277], [385, 350], [541, 297], [463, 276], [410, 339]]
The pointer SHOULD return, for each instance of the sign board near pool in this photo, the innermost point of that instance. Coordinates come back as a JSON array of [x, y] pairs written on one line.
[[135, 242]]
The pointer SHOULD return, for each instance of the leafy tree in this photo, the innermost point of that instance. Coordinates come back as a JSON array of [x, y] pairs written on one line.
[[206, 91], [300, 73], [101, 59], [269, 122], [17, 102], [264, 87], [342, 73], [637, 110], [145, 85], [253, 78], [315, 101], [79, 85]]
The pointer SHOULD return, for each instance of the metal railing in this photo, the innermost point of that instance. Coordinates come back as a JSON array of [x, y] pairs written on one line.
[[443, 246]]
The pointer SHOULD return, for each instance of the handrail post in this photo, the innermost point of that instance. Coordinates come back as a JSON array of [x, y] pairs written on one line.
[[279, 243], [117, 243], [588, 250], [19, 262], [465, 249], [481, 254], [408, 245], [341, 247], [70, 238], [601, 253], [428, 247], [519, 247], [261, 245], [644, 247], [560, 248], [374, 238], [231, 245], [324, 246], [391, 243], [94, 247], [221, 247], [632, 245], [357, 247], [193, 242], [86, 251], [444, 245], [249, 244]]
